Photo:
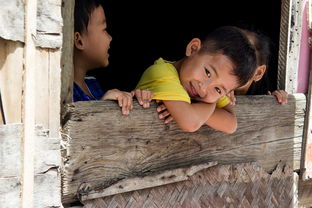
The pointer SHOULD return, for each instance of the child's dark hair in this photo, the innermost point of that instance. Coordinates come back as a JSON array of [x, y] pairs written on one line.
[[231, 42], [82, 14], [262, 44]]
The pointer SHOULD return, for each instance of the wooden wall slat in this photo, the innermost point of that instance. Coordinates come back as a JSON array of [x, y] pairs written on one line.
[[103, 146], [11, 79], [10, 165]]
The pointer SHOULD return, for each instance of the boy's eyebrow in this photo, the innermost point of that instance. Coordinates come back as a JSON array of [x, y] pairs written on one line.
[[216, 72]]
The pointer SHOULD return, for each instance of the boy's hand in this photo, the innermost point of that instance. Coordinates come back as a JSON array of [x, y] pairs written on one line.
[[163, 113], [232, 97], [144, 97], [280, 95], [124, 99]]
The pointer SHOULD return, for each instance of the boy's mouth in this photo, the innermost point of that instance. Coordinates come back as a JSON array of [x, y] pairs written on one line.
[[192, 91]]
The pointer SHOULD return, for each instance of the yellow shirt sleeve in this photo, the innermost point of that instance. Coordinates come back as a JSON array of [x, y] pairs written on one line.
[[223, 101], [163, 80]]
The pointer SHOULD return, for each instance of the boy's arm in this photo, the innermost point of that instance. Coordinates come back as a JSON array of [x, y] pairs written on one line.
[[189, 117], [223, 119]]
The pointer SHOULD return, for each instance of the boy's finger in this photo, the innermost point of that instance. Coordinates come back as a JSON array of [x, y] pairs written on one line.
[[125, 107], [161, 108], [138, 95], [168, 119], [163, 114], [119, 101]]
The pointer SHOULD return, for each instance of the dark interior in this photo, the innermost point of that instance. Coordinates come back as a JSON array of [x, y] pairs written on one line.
[[143, 31]]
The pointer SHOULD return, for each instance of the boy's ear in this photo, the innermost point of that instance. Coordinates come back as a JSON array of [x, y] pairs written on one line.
[[193, 46], [260, 71], [78, 41]]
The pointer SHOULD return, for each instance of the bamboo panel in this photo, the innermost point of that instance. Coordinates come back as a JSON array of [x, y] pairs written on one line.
[[241, 185]]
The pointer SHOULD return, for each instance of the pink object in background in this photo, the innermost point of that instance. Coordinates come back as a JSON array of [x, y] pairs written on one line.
[[305, 55]]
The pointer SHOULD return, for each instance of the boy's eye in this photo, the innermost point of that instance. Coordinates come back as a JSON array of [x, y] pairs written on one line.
[[218, 90], [208, 73]]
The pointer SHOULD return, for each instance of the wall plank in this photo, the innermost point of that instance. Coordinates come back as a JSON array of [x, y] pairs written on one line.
[[103, 146], [10, 165], [11, 70]]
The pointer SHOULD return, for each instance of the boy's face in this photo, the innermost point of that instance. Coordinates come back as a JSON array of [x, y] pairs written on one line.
[[207, 77], [96, 40]]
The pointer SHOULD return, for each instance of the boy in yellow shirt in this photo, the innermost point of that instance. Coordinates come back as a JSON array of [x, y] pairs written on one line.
[[212, 68]]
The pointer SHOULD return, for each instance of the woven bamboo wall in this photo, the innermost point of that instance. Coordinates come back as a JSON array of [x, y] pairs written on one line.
[[241, 185]]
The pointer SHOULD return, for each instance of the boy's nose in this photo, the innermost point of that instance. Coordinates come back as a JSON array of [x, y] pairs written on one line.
[[203, 87]]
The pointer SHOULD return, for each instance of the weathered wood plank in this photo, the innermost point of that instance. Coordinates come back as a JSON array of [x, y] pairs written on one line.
[[10, 189], [12, 20], [47, 190], [67, 52], [11, 70], [10, 156], [54, 93], [10, 165], [104, 147], [49, 24], [306, 158], [29, 104], [289, 48], [305, 193], [138, 183]]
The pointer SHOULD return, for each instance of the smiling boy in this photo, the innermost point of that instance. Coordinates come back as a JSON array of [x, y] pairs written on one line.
[[212, 68]]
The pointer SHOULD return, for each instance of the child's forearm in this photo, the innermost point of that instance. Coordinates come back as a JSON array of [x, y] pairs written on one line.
[[223, 119], [189, 117]]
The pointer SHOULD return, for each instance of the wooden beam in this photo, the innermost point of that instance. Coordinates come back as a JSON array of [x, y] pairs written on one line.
[[67, 52], [29, 108], [102, 146]]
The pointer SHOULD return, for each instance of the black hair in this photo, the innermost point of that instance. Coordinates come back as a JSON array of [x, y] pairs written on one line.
[[263, 45], [231, 42], [82, 13]]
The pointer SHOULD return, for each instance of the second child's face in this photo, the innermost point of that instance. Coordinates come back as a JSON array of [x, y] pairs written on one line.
[[97, 40], [207, 77]]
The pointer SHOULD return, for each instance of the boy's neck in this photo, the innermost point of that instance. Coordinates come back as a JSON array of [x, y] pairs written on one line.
[[80, 68]]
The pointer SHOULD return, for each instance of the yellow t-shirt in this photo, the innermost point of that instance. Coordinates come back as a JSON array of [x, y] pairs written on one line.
[[163, 80]]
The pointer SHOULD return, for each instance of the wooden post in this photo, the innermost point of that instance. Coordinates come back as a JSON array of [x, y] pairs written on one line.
[[289, 48], [29, 104], [306, 157], [67, 52]]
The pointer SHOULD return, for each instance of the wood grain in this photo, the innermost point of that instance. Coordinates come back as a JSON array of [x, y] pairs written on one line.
[[103, 147]]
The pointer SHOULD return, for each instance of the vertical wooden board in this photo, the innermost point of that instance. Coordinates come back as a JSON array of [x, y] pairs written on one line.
[[10, 189], [306, 158], [10, 144], [289, 50], [42, 87], [54, 93], [11, 79], [283, 43], [67, 52]]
